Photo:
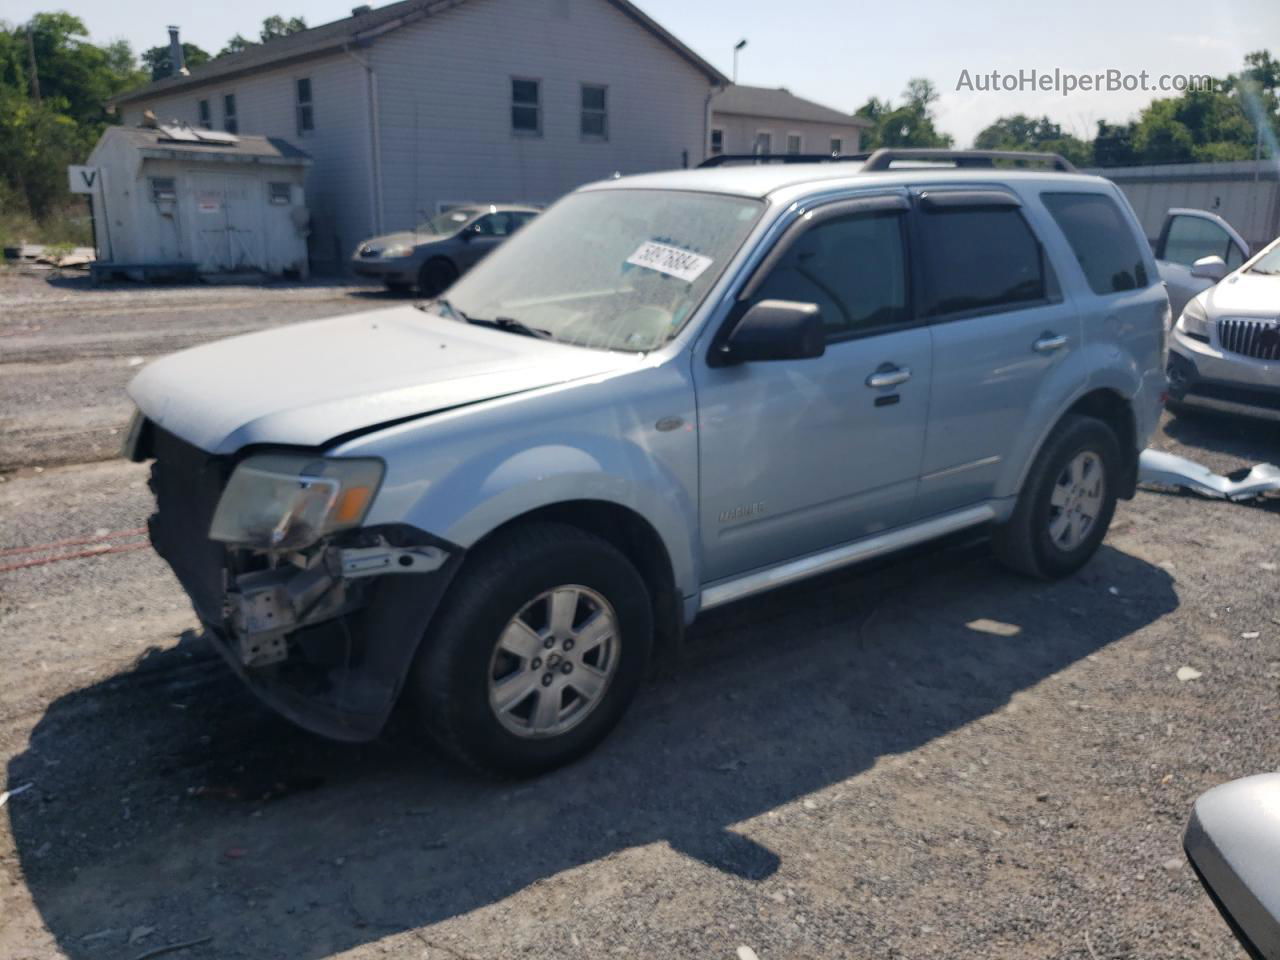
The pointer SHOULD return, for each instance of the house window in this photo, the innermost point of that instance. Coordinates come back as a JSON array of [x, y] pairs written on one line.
[[229, 123], [279, 194], [837, 146], [717, 141], [526, 107], [595, 112], [764, 142], [206, 116], [306, 116], [795, 143], [163, 188]]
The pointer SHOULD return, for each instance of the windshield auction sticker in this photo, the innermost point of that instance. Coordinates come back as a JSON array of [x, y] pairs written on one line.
[[670, 260]]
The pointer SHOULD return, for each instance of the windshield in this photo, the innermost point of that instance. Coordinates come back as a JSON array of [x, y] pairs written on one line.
[[1268, 263], [450, 221], [611, 269]]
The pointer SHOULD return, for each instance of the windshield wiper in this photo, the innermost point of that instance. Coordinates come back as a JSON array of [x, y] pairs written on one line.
[[512, 325]]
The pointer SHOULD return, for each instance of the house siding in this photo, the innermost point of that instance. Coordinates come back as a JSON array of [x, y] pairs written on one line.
[[445, 94], [740, 133], [337, 182]]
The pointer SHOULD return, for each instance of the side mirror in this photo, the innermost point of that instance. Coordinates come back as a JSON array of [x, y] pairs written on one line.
[[776, 330], [1233, 842], [1209, 268]]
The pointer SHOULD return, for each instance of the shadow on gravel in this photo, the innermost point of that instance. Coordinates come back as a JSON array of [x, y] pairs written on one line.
[[1248, 438], [165, 797]]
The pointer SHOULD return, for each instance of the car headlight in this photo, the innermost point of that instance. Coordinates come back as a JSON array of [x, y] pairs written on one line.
[[397, 250], [1194, 321], [284, 501]]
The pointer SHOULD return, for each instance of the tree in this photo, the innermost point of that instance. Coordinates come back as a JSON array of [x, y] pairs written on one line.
[[237, 44], [910, 125], [1020, 132], [1113, 145], [158, 60], [276, 26]]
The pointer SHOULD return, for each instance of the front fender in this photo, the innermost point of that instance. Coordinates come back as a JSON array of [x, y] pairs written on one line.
[[462, 474]]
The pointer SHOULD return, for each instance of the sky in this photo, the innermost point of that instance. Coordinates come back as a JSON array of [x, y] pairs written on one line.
[[840, 53]]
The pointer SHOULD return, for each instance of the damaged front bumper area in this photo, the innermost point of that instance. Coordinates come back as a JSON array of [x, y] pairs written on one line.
[[325, 636]]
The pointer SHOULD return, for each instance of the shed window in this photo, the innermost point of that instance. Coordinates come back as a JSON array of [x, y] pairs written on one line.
[[526, 106], [229, 123], [279, 194], [595, 112], [206, 116], [306, 114], [764, 143], [163, 188], [795, 143], [717, 141], [837, 146]]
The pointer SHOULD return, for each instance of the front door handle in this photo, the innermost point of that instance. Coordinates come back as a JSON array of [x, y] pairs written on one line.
[[889, 376], [1049, 342]]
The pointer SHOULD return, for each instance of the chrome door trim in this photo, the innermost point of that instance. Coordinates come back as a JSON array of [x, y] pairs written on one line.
[[758, 581]]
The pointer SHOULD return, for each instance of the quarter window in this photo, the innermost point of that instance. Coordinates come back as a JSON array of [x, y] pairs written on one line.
[[1101, 240], [229, 122], [306, 112], [595, 112], [526, 107], [979, 258], [851, 267]]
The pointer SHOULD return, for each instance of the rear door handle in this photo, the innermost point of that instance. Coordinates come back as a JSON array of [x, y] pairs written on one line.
[[1049, 342], [889, 376]]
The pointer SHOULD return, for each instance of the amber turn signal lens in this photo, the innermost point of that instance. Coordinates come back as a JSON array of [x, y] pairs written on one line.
[[351, 505]]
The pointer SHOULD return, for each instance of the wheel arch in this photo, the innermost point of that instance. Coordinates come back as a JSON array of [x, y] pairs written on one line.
[[1115, 410], [635, 537]]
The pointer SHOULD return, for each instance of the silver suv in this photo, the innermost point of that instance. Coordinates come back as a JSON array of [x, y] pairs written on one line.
[[668, 392]]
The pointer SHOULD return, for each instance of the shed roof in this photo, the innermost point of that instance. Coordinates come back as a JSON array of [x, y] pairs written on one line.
[[779, 103], [360, 28], [158, 142]]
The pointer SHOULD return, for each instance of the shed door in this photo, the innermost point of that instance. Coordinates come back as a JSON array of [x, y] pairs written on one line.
[[226, 222]]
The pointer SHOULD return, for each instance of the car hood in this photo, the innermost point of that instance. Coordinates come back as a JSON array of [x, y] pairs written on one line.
[[1245, 294], [307, 383]]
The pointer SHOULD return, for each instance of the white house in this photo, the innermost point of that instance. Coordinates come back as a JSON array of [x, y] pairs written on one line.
[[769, 120], [218, 202], [420, 104]]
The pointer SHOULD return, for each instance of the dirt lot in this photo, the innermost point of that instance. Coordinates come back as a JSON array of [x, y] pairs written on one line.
[[931, 758]]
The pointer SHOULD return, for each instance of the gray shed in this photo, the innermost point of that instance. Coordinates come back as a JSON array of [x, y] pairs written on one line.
[[177, 197]]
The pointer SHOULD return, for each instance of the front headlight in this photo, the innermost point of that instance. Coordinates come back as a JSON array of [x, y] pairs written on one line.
[[282, 501], [397, 250], [1194, 320]]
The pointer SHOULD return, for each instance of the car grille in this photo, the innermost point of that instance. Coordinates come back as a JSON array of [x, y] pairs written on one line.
[[187, 483], [1259, 339]]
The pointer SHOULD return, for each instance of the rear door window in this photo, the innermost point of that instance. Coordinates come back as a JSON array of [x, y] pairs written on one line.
[[1101, 239], [979, 259]]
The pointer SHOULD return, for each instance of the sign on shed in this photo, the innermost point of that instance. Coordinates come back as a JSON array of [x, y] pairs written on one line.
[[84, 179]]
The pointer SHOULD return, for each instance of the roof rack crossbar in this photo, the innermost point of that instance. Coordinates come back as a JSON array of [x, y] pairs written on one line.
[[720, 159], [885, 156]]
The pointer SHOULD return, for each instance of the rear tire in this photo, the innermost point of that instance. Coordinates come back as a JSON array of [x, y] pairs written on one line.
[[497, 652], [436, 276], [1066, 503]]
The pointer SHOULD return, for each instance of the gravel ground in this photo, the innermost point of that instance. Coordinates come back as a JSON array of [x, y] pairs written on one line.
[[926, 758]]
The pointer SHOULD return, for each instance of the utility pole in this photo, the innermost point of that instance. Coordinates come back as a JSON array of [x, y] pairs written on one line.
[[31, 60], [736, 47]]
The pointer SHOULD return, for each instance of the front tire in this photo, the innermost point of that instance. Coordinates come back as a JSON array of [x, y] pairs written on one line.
[[1066, 503], [536, 653], [436, 276]]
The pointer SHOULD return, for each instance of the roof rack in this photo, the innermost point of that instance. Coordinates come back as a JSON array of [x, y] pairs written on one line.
[[722, 159], [884, 157]]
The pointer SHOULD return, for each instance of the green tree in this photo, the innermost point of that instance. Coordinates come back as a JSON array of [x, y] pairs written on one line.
[[276, 26], [1020, 132], [237, 44], [909, 125], [1113, 145], [159, 62]]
